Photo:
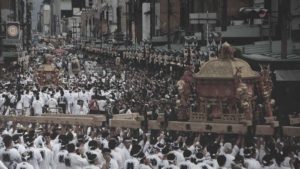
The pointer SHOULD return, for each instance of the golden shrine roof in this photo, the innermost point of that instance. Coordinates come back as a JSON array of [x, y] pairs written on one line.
[[226, 68], [46, 68]]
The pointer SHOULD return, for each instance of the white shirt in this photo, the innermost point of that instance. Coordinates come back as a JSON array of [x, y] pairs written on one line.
[[100, 158], [113, 164], [59, 159], [7, 156], [26, 100], [143, 166], [78, 110], [76, 161], [36, 157], [45, 97], [104, 142], [134, 162], [84, 97], [42, 97], [163, 163], [75, 97], [126, 153], [154, 158], [47, 156], [55, 147], [91, 167], [171, 166], [118, 157], [52, 103], [179, 157], [37, 107], [229, 160], [69, 97], [57, 95], [251, 163], [19, 105], [212, 162], [2, 166], [201, 165], [187, 163], [24, 165], [21, 148], [235, 150], [2, 100], [102, 104], [12, 98]]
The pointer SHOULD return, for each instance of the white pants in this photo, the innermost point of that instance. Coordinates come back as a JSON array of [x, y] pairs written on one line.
[[27, 111], [70, 108]]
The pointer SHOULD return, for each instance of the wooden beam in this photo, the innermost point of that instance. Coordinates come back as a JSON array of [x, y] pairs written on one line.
[[125, 116], [291, 131], [124, 123], [183, 126], [207, 127], [96, 120], [272, 121], [154, 125], [65, 120], [264, 130], [294, 120]]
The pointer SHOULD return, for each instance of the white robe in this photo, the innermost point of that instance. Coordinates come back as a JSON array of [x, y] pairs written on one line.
[[36, 157]]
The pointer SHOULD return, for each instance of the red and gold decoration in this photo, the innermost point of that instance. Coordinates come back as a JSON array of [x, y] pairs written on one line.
[[47, 74], [224, 90]]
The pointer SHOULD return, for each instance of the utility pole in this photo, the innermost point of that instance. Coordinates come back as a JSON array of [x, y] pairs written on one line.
[[101, 31], [28, 23], [22, 24], [107, 19], [224, 15], [169, 14], [187, 16], [52, 20], [130, 19], [127, 23], [0, 30], [284, 18], [152, 19], [270, 26], [91, 24]]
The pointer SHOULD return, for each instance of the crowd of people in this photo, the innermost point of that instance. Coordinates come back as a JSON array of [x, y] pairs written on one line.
[[111, 83], [37, 146], [101, 87]]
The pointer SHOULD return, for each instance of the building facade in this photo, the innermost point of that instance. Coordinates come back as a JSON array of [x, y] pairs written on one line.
[[15, 28]]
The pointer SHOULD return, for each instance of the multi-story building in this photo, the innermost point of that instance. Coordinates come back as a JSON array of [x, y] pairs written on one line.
[[46, 20], [138, 20], [15, 34], [64, 17], [132, 20], [36, 5], [104, 18]]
